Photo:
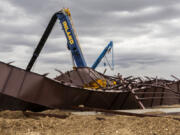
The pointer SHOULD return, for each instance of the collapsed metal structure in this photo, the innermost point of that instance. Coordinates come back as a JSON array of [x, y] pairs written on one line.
[[23, 90]]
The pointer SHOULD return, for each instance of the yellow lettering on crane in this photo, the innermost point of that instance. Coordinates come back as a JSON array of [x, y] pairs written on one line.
[[69, 35]]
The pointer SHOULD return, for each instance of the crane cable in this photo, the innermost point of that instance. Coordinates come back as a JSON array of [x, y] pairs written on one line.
[[111, 66]]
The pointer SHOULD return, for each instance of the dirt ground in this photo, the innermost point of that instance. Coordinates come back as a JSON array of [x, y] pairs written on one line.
[[56, 122]]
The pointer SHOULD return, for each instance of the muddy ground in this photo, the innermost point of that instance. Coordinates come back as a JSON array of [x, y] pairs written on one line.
[[57, 122]]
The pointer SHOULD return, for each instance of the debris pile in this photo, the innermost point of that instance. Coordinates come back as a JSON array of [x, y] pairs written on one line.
[[147, 91], [23, 90]]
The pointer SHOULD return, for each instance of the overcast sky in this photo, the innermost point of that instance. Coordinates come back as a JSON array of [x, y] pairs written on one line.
[[145, 34]]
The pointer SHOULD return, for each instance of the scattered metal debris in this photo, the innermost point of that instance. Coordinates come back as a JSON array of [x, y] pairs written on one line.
[[23, 90]]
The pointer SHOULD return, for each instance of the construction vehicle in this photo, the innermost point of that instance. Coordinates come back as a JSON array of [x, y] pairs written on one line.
[[73, 44]]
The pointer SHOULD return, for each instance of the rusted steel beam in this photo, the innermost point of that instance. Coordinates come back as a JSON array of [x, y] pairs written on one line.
[[87, 98], [124, 100], [178, 87], [162, 95], [154, 93], [150, 98], [137, 93], [137, 99], [175, 77], [7, 79]]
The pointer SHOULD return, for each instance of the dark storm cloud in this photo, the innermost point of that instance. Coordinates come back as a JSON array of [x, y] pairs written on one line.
[[92, 18], [44, 6], [120, 5], [129, 25], [98, 22], [36, 7], [165, 13]]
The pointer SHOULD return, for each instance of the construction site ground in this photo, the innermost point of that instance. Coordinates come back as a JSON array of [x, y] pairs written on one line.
[[59, 122]]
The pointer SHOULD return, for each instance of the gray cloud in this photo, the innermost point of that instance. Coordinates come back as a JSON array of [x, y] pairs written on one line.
[[141, 23], [131, 59], [5, 48], [54, 60]]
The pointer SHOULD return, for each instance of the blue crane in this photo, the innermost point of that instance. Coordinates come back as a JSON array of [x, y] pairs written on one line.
[[72, 41], [73, 45], [101, 56]]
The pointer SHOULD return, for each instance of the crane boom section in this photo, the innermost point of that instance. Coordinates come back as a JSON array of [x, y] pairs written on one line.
[[72, 41], [108, 47]]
